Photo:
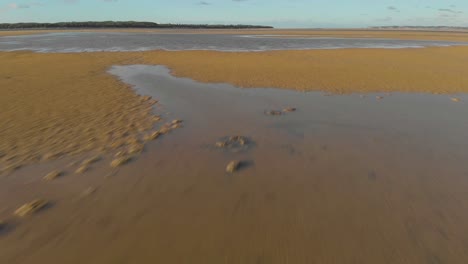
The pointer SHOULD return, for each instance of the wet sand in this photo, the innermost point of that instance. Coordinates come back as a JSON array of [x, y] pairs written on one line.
[[83, 115], [351, 33], [345, 179]]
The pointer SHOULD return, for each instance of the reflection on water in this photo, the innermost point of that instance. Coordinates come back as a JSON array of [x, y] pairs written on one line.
[[93, 42], [344, 179]]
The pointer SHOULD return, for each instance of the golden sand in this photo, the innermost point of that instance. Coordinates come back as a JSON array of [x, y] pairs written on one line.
[[59, 104], [53, 105], [434, 70]]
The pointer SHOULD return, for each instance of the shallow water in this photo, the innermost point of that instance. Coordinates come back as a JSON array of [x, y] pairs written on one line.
[[94, 42], [344, 179]]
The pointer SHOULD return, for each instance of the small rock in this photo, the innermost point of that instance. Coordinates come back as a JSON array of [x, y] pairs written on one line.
[[176, 121], [53, 175], [238, 139], [156, 118], [289, 109], [233, 166], [234, 143], [274, 113], [91, 160], [30, 208], [82, 169], [454, 99], [220, 144], [120, 161], [379, 97]]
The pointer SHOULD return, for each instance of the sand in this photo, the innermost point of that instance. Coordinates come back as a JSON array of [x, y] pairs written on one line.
[[342, 33], [433, 70], [54, 105], [344, 179], [61, 104]]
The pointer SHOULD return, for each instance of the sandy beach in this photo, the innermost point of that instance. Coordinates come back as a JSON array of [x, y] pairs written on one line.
[[393, 124]]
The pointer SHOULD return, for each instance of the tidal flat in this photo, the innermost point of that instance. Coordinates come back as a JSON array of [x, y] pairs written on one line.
[[351, 155]]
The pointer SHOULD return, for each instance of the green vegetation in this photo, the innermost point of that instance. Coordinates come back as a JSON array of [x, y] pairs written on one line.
[[119, 24]]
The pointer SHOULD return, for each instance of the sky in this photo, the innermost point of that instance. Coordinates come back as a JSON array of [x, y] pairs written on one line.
[[277, 13]]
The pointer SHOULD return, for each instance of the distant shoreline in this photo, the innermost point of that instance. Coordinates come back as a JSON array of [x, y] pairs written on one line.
[[120, 25]]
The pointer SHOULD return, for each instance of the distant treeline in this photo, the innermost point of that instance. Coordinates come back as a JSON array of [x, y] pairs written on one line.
[[122, 24]]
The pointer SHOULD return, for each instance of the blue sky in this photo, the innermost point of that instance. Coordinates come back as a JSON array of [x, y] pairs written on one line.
[[278, 13]]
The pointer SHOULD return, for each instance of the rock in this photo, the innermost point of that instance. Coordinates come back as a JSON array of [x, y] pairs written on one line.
[[120, 161], [176, 121], [273, 113], [233, 166], [82, 169], [53, 175], [289, 109], [220, 144], [379, 97], [91, 160], [454, 99], [233, 143], [152, 136], [31, 208]]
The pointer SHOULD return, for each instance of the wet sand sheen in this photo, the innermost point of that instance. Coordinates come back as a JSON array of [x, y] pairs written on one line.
[[29, 81], [344, 179]]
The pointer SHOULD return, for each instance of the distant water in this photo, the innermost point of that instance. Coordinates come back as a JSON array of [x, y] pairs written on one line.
[[94, 42]]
